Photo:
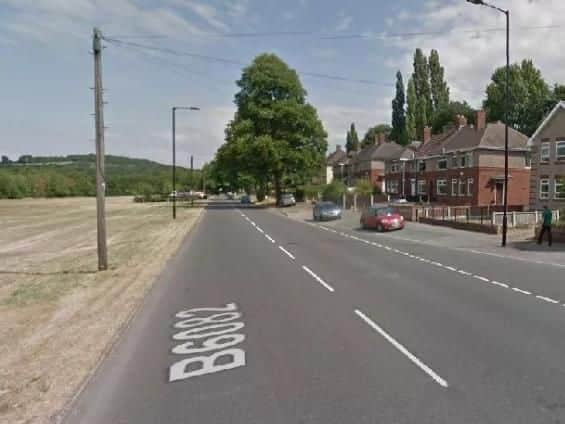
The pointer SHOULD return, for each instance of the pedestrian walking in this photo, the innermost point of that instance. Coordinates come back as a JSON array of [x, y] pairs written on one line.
[[547, 217]]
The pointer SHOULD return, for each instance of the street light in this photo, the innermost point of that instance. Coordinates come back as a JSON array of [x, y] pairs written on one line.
[[175, 108], [506, 107]]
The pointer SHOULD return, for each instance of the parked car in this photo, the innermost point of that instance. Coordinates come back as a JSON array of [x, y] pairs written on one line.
[[382, 218], [325, 211], [248, 200], [287, 199]]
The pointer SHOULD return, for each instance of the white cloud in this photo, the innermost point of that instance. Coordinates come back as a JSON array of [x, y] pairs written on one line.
[[470, 57], [208, 13], [237, 8], [344, 22]]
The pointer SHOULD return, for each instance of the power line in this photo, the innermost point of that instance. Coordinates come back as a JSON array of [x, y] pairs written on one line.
[[166, 50]]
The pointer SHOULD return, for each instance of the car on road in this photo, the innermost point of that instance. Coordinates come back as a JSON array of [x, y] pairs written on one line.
[[324, 211], [247, 200], [383, 218], [287, 199]]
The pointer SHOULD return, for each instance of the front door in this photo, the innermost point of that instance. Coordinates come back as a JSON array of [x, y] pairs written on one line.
[[499, 194], [413, 187]]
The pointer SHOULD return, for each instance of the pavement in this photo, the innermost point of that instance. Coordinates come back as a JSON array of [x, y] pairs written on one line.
[[264, 319]]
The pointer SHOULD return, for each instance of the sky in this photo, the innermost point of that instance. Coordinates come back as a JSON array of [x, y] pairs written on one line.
[[47, 66]]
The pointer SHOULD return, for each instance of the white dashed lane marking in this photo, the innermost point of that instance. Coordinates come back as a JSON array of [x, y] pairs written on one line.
[[290, 255], [269, 238], [402, 349], [446, 267], [318, 279]]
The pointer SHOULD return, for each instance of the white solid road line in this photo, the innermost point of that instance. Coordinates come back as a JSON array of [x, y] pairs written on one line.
[[451, 268], [402, 349], [260, 230], [516, 289], [318, 279], [290, 255], [496, 283], [464, 272], [269, 238]]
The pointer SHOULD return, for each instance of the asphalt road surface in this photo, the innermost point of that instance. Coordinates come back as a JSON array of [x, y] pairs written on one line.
[[261, 319]]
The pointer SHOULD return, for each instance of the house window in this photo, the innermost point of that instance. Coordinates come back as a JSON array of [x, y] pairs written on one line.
[[544, 152], [442, 163], [461, 187], [560, 150], [393, 186], [470, 182], [441, 187], [559, 185], [454, 187], [470, 159], [421, 165], [454, 161], [462, 161], [544, 188], [422, 187], [394, 167]]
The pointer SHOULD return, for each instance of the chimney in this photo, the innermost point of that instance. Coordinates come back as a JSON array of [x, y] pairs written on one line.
[[381, 138], [461, 121], [427, 134], [481, 120]]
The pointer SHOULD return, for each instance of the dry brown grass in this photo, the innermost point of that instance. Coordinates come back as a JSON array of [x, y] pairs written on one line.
[[58, 314]]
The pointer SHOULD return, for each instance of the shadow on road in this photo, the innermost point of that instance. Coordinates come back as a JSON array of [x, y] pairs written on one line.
[[532, 246]]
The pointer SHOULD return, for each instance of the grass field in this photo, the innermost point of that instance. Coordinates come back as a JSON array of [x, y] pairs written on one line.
[[58, 314]]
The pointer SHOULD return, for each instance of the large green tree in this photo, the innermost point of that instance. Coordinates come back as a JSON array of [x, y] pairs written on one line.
[[411, 106], [438, 86], [372, 133], [352, 140], [399, 133], [275, 134], [530, 97], [424, 104], [447, 114]]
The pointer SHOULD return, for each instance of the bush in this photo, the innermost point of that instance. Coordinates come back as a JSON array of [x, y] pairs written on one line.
[[312, 191], [334, 191], [364, 187]]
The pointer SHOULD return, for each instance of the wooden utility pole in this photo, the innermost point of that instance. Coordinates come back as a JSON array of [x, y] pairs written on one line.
[[100, 177]]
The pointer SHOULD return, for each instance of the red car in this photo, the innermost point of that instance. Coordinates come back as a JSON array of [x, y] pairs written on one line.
[[382, 219]]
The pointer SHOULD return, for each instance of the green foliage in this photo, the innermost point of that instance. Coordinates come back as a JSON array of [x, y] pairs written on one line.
[[411, 106], [352, 139], [371, 134], [438, 86], [75, 175], [312, 191], [398, 132], [364, 187], [530, 97], [559, 92], [333, 191], [446, 115], [275, 133], [424, 104]]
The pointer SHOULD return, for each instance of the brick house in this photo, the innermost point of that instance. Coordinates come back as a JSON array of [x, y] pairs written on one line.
[[464, 165], [369, 163], [547, 183]]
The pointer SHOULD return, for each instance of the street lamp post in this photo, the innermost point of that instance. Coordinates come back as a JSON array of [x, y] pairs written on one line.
[[175, 108], [506, 112]]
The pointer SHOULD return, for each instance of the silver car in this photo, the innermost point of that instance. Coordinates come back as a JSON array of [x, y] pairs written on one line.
[[287, 199], [325, 211]]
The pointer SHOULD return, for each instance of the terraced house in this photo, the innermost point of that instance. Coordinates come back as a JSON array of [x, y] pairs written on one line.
[[464, 165], [548, 161]]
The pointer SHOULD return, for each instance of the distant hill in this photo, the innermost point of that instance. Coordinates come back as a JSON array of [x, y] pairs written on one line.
[[75, 175]]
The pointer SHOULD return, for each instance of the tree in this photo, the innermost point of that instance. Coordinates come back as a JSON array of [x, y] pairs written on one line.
[[5, 160], [352, 142], [438, 86], [398, 133], [447, 114], [530, 97], [334, 191], [364, 187], [559, 92], [372, 133], [424, 104], [275, 134], [411, 106]]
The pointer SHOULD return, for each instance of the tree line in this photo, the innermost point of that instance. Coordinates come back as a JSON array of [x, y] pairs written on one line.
[[76, 176], [425, 101]]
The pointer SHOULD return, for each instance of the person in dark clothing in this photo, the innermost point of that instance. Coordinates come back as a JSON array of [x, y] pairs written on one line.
[[547, 217]]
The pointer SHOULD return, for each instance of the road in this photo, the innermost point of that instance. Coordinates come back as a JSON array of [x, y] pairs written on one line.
[[317, 325]]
